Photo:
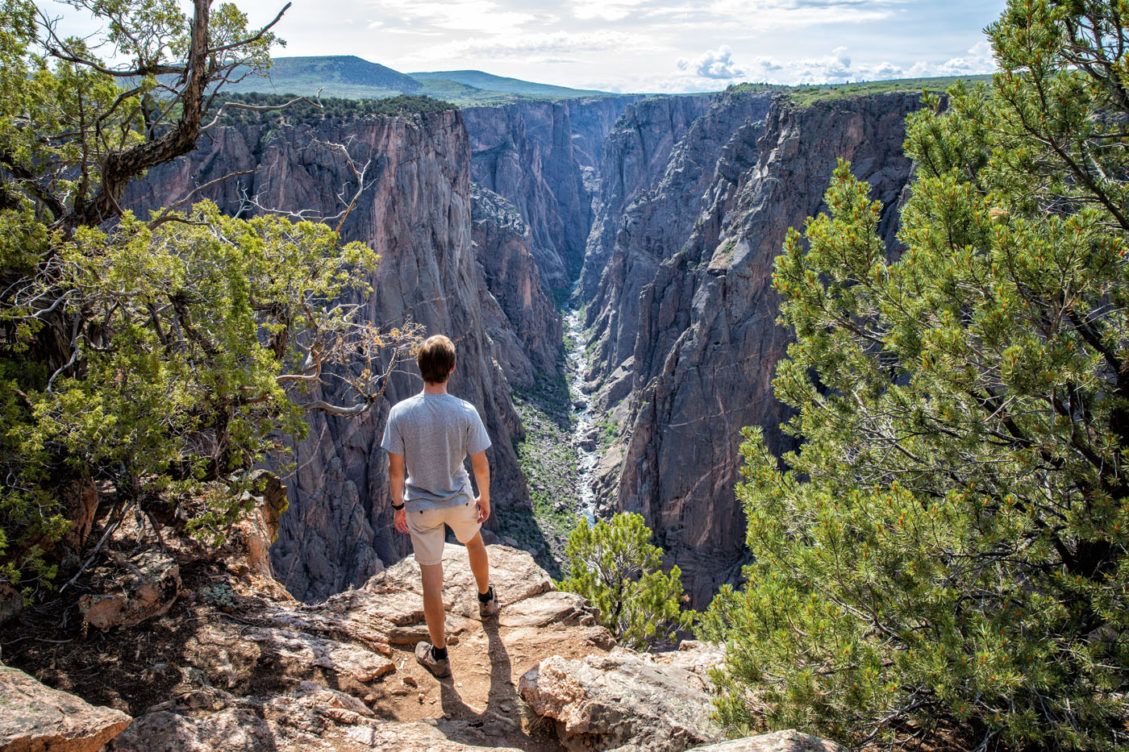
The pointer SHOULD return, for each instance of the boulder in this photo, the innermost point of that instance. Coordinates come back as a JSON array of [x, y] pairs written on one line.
[[624, 700], [137, 589], [36, 718], [778, 741]]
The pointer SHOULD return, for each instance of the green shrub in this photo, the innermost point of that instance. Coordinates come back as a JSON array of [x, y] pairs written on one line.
[[614, 565]]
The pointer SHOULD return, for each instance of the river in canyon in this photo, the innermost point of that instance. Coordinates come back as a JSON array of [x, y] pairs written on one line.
[[583, 425]]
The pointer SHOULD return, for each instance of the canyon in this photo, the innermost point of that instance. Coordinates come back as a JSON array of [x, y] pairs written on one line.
[[656, 219]]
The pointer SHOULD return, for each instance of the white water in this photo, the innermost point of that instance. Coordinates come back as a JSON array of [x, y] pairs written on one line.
[[583, 425]]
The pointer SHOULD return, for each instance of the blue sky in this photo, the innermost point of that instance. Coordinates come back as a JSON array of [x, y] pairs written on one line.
[[648, 45]]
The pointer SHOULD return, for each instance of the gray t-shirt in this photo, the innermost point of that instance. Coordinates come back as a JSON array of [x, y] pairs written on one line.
[[435, 433]]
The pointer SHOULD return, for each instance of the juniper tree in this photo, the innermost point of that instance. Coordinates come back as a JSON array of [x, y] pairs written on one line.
[[152, 361], [614, 565], [948, 544]]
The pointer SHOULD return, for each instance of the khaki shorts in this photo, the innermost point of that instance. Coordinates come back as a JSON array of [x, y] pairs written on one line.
[[428, 528]]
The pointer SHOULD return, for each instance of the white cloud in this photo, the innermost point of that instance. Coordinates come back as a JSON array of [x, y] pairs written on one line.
[[605, 10], [716, 64], [484, 16], [540, 47], [763, 15]]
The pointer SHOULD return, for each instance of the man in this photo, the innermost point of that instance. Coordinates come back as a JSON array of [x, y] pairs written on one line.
[[430, 435]]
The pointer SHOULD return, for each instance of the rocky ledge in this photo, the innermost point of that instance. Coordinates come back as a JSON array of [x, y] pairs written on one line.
[[220, 657]]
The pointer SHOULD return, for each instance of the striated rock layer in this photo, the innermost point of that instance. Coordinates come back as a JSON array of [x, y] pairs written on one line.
[[416, 212], [528, 335], [684, 315], [540, 156]]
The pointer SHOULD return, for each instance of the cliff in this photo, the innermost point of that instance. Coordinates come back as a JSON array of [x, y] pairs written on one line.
[[537, 156], [684, 314], [528, 330], [416, 211], [635, 156]]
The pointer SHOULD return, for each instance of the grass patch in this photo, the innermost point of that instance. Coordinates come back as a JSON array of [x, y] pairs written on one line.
[[805, 95]]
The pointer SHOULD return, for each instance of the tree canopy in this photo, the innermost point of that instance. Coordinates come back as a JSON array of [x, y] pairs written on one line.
[[947, 548]]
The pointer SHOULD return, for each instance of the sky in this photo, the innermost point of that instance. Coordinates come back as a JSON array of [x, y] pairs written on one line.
[[647, 45]]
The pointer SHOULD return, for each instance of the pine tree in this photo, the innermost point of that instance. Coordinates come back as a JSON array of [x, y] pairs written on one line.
[[948, 545]]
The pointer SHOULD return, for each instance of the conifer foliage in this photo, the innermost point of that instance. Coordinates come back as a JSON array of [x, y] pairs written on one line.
[[948, 545], [614, 565]]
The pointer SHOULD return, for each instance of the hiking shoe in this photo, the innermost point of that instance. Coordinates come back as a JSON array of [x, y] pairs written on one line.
[[440, 668], [488, 604]]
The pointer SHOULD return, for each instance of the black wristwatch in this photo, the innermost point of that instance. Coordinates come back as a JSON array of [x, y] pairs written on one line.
[[397, 508]]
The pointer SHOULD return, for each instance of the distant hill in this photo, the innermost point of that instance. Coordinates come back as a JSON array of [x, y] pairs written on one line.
[[345, 76], [500, 84], [351, 77]]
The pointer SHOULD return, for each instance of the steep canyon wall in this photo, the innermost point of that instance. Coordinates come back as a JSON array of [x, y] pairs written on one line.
[[542, 158], [669, 212], [682, 314]]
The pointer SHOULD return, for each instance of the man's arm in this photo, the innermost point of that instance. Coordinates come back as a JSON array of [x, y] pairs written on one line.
[[481, 467], [396, 484]]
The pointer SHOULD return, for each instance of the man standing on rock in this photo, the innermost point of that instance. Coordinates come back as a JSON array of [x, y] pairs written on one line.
[[430, 435]]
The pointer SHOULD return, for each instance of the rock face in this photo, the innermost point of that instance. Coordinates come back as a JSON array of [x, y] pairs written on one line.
[[148, 588], [527, 336], [34, 718], [683, 316], [536, 155], [415, 212], [626, 700], [635, 157]]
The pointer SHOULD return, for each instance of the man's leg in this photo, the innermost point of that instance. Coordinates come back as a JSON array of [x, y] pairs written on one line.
[[433, 603], [479, 562]]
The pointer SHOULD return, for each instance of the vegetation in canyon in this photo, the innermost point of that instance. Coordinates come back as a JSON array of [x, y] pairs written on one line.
[[549, 463], [277, 109], [947, 548], [148, 365]]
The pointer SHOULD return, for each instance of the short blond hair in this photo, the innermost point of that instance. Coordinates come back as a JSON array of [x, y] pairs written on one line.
[[436, 358]]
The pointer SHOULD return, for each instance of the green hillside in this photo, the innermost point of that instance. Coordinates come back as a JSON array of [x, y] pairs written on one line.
[[810, 93], [487, 82], [343, 76]]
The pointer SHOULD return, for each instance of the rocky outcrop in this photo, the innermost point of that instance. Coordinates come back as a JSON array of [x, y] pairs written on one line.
[[626, 700], [34, 718], [778, 741], [537, 156], [238, 664], [416, 212], [685, 325]]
